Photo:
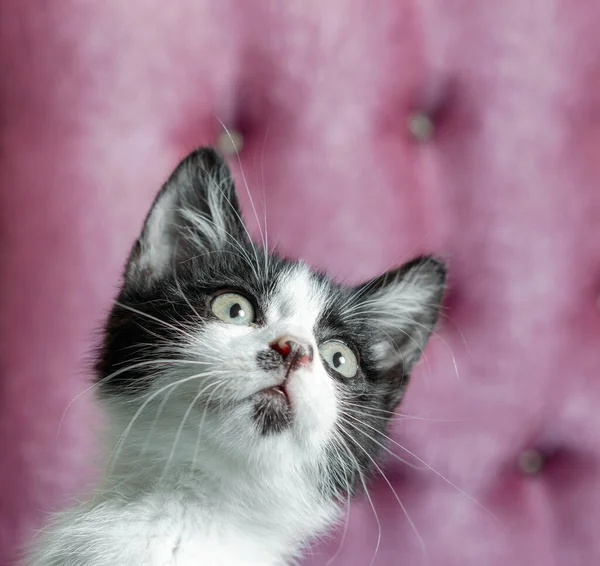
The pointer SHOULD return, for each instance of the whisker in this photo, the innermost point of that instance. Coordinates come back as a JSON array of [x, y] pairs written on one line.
[[115, 374], [155, 319], [432, 307], [404, 416], [237, 153], [428, 466], [215, 384], [410, 465], [335, 442], [180, 289], [123, 436], [155, 420], [231, 237], [200, 429], [402, 506], [370, 500], [409, 321], [376, 323], [190, 259]]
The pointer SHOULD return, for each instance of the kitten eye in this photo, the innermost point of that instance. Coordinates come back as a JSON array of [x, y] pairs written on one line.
[[233, 308], [339, 357]]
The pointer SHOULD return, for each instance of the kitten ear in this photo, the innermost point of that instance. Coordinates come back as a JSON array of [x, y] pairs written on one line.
[[403, 306], [195, 212]]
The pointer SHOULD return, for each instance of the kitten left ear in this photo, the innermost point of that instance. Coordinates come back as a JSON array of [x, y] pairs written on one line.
[[195, 212], [403, 306]]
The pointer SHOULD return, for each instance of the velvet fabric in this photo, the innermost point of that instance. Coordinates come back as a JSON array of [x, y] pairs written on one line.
[[372, 131]]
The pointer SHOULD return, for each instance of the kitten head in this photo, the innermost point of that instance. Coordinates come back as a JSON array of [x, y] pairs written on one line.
[[263, 357]]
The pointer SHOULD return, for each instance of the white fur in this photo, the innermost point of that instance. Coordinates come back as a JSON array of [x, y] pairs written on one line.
[[189, 486]]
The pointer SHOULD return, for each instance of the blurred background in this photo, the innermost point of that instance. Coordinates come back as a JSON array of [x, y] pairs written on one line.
[[371, 130]]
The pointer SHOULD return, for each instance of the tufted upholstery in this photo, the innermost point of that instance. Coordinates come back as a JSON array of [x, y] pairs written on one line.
[[375, 130]]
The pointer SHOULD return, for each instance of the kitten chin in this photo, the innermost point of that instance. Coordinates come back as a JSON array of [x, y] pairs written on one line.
[[272, 412], [246, 395]]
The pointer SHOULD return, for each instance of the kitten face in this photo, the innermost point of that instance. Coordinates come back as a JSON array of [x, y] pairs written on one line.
[[264, 357]]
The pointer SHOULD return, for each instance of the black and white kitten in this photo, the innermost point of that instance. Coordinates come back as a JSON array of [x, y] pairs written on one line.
[[242, 391]]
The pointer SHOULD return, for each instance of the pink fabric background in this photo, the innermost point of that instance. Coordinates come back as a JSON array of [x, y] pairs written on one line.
[[98, 102]]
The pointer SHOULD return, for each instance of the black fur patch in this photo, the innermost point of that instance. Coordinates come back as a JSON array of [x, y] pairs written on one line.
[[272, 414], [269, 360]]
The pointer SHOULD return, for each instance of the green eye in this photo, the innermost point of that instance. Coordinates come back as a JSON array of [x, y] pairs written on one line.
[[339, 357], [233, 308]]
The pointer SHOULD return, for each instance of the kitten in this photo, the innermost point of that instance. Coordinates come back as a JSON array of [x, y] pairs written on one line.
[[245, 394]]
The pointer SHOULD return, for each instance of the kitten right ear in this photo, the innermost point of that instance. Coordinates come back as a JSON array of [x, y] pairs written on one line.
[[195, 212], [402, 306]]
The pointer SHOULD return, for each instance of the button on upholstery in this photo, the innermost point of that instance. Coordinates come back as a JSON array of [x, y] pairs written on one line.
[[421, 126], [231, 142], [531, 461]]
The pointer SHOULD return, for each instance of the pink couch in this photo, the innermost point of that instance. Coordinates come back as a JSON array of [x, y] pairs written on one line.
[[376, 129]]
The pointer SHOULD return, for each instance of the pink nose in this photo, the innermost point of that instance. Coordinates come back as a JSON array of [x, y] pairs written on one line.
[[293, 350]]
